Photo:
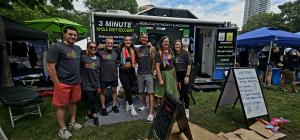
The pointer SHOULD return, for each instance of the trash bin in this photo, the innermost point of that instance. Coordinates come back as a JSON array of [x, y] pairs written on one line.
[[276, 76]]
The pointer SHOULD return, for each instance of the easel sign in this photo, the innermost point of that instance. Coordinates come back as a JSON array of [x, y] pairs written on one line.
[[243, 84], [2, 135], [163, 122]]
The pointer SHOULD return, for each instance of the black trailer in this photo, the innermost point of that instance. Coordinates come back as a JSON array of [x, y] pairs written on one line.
[[211, 44]]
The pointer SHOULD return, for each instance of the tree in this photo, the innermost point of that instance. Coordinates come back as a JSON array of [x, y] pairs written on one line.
[[8, 7], [104, 5], [290, 12], [8, 4], [265, 20]]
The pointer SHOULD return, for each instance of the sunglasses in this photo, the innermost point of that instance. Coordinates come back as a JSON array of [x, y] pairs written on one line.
[[93, 47]]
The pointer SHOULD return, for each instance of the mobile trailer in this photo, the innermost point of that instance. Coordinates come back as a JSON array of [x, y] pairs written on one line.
[[201, 38]]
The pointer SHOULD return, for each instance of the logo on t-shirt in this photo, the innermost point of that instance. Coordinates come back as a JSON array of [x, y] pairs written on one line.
[[179, 60], [108, 57], [90, 65], [71, 54]]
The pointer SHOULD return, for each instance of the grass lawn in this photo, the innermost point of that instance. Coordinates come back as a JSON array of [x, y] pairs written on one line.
[[202, 113]]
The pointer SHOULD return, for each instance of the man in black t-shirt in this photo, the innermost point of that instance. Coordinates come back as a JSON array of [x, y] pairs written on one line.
[[108, 74], [290, 63], [146, 56], [64, 69]]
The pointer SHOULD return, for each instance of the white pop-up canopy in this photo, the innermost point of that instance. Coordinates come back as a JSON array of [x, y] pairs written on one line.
[[83, 43]]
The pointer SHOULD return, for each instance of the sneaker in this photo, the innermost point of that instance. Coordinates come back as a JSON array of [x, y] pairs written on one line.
[[142, 108], [104, 112], [127, 108], [282, 89], [64, 134], [295, 91], [132, 112], [96, 121], [89, 116], [115, 109], [270, 87], [150, 118], [187, 113], [75, 125]]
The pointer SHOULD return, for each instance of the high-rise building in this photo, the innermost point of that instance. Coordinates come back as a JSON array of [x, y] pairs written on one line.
[[254, 7]]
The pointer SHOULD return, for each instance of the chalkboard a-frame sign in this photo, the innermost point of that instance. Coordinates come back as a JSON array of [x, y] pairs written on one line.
[[163, 122], [243, 84]]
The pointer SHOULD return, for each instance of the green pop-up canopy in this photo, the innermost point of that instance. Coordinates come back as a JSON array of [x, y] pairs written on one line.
[[54, 25]]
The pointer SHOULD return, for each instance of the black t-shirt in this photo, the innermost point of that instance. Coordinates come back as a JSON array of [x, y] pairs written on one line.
[[67, 59], [90, 72], [108, 65], [144, 60], [182, 60], [290, 60], [158, 59]]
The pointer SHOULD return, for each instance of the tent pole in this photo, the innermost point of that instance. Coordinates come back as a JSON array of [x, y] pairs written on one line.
[[269, 57]]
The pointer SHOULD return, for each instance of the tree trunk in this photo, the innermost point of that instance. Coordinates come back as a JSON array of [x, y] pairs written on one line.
[[5, 73]]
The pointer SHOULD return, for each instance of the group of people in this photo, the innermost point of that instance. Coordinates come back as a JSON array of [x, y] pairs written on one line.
[[160, 71], [286, 58]]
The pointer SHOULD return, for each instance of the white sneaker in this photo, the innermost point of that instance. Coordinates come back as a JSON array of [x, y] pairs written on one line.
[[64, 134], [133, 112], [187, 113], [150, 118], [142, 108], [127, 108], [75, 125]]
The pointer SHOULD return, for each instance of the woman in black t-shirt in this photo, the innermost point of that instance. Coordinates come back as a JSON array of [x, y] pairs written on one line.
[[183, 69]]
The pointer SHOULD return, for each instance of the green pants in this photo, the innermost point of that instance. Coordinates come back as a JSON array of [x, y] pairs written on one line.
[[169, 84]]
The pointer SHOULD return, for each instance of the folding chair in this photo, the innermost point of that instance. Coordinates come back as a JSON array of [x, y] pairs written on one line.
[[20, 97]]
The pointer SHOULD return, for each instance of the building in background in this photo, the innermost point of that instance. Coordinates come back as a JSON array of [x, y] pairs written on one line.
[[254, 7]]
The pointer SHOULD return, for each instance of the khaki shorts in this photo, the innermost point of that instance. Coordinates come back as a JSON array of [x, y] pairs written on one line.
[[289, 75]]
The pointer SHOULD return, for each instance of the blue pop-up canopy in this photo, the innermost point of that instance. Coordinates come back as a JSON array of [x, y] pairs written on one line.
[[266, 35]]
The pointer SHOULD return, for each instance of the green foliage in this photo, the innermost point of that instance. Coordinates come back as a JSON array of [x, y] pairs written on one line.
[[290, 12], [21, 14], [265, 20], [103, 5], [8, 4], [288, 19]]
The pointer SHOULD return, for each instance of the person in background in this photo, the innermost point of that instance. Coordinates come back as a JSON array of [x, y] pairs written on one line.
[[90, 73], [183, 69], [166, 75], [290, 63], [127, 71], [265, 67], [108, 74], [253, 58], [63, 62], [244, 58], [146, 56]]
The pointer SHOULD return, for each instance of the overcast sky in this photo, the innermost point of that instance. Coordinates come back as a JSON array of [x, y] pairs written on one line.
[[211, 10]]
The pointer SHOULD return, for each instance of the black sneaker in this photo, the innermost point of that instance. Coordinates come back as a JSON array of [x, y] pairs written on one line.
[[104, 112], [115, 109], [89, 116], [96, 121], [282, 89]]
